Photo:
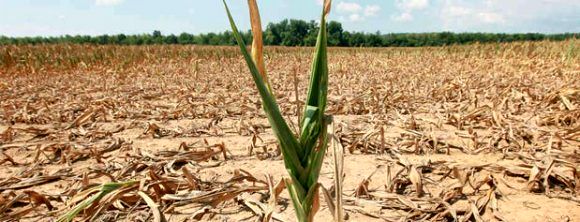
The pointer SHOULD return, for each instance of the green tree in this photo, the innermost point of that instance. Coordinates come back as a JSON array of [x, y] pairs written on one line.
[[335, 34]]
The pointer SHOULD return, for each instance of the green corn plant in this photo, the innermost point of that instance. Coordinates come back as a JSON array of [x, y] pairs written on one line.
[[104, 190], [303, 154]]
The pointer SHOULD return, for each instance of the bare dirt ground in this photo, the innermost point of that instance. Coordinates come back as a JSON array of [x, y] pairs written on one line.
[[467, 133]]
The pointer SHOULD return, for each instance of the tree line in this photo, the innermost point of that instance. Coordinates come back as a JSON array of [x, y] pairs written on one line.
[[292, 32]]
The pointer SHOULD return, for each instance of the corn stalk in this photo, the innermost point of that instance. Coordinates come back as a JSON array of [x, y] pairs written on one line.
[[303, 154]]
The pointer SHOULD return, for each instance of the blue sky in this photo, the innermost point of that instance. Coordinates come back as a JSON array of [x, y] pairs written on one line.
[[93, 17]]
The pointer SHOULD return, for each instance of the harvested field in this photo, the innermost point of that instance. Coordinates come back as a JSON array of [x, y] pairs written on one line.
[[466, 133]]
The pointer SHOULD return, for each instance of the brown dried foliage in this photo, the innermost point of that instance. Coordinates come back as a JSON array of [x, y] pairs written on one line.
[[171, 117]]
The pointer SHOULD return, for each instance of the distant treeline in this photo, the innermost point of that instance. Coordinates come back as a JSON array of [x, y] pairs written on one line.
[[297, 33]]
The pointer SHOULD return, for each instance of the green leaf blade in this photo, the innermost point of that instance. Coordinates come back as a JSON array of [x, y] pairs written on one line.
[[289, 145]]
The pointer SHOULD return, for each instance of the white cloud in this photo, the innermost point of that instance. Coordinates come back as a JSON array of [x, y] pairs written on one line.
[[356, 12], [372, 10], [403, 17], [573, 2], [355, 18], [410, 5], [458, 11], [108, 2], [320, 2], [490, 17], [348, 7], [406, 8]]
